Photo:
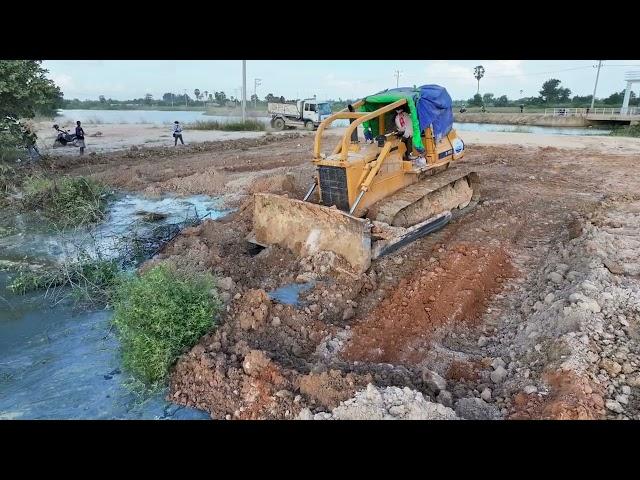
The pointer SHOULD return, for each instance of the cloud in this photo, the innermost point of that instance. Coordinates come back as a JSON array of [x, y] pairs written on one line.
[[506, 67], [63, 80], [335, 86], [461, 83]]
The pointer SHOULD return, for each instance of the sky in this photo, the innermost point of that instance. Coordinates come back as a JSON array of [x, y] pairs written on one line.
[[330, 79]]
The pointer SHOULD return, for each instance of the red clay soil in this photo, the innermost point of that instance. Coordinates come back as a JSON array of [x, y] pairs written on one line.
[[570, 398], [453, 293], [254, 388], [330, 388]]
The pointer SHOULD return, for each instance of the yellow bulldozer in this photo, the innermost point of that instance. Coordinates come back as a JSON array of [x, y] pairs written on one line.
[[367, 199]]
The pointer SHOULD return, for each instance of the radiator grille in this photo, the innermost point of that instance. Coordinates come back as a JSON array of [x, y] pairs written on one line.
[[333, 187]]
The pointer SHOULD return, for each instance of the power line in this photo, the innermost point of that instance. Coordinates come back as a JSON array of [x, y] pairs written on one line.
[[518, 74], [593, 97], [541, 73]]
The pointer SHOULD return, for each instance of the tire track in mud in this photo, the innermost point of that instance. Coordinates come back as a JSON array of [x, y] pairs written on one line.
[[451, 293]]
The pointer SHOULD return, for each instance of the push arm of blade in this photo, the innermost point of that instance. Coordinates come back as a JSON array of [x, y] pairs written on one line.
[[311, 189], [376, 167], [373, 171]]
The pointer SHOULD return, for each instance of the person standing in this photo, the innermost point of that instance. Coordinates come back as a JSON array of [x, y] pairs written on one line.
[[368, 135], [30, 138], [177, 133], [80, 137]]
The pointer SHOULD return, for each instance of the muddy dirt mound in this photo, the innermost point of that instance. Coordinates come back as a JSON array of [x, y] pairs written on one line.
[[281, 183], [241, 385], [143, 152], [328, 389], [221, 247], [569, 398], [452, 294], [391, 403]]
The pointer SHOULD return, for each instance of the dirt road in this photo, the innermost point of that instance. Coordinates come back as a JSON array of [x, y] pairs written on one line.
[[528, 306]]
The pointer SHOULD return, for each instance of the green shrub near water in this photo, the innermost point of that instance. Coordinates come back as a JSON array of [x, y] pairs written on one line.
[[626, 131], [248, 126], [159, 315], [91, 280], [7, 174], [66, 201]]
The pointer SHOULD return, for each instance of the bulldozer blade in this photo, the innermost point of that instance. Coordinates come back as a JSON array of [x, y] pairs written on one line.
[[394, 238], [306, 228]]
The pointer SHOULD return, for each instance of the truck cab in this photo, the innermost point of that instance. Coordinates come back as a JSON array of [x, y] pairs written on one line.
[[307, 113], [315, 111]]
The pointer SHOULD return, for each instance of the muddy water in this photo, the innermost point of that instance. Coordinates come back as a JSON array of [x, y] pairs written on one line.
[[57, 363], [289, 294]]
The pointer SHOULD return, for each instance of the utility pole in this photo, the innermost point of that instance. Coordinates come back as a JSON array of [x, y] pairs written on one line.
[[244, 91], [397, 74], [593, 99], [256, 82]]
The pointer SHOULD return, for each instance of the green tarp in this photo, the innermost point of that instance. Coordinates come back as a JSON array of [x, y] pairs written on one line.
[[374, 102]]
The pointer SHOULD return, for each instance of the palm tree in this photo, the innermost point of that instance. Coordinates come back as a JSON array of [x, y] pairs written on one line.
[[196, 92], [478, 73], [206, 95]]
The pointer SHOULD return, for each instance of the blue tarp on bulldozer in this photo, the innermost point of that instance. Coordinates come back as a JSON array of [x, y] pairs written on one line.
[[429, 105]]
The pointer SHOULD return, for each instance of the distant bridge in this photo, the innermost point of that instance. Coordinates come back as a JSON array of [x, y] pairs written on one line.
[[626, 115]]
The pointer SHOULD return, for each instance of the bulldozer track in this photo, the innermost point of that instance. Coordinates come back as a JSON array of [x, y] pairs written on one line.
[[390, 208]]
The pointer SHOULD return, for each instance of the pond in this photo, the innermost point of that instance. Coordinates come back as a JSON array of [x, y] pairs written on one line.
[[156, 117]]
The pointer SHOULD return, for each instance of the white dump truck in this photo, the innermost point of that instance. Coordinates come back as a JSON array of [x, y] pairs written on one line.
[[306, 113]]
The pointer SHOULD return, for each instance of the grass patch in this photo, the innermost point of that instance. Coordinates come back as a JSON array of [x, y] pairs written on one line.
[[248, 126], [626, 131], [159, 315], [7, 177], [10, 154], [67, 202], [91, 281]]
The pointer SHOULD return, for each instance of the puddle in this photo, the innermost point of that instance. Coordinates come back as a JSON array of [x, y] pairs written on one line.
[[57, 363], [289, 294]]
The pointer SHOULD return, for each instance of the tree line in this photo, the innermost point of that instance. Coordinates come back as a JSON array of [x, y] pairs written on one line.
[[199, 99], [552, 94]]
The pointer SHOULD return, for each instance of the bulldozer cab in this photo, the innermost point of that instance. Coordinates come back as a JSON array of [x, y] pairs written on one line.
[[429, 108]]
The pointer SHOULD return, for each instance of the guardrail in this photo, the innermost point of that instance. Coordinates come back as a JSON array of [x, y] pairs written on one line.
[[581, 112], [565, 112]]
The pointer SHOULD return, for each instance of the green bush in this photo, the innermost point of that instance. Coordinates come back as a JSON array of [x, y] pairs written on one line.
[[159, 315], [67, 201], [248, 126]]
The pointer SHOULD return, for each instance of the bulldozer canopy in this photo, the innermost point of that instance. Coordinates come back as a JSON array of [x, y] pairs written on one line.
[[429, 105]]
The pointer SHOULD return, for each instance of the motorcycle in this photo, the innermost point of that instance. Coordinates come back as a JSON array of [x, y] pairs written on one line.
[[463, 109], [64, 138]]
